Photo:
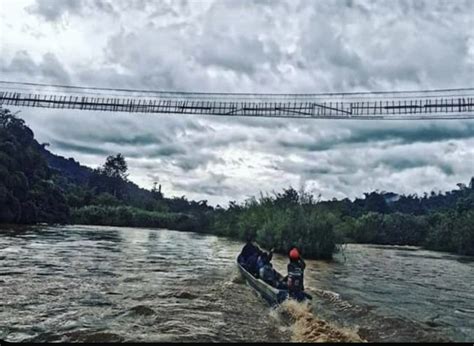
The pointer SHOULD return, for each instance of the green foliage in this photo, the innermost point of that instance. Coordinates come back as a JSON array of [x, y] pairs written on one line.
[[115, 167], [27, 194], [133, 217], [295, 219], [366, 227], [393, 229], [111, 178], [452, 231], [106, 199], [280, 222]]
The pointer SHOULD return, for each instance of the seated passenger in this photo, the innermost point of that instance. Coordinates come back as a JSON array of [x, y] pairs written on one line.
[[261, 261], [252, 264], [267, 274], [249, 255], [249, 248]]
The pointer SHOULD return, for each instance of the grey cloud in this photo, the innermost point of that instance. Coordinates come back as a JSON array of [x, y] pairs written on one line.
[[53, 10], [105, 6], [241, 55], [407, 163], [168, 151], [179, 142], [307, 145], [359, 46], [212, 185], [196, 159], [56, 10], [23, 67], [414, 133], [403, 133], [308, 168], [78, 148], [53, 69], [134, 139], [269, 46]]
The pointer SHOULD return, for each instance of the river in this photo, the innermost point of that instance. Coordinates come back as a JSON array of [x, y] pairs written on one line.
[[90, 283]]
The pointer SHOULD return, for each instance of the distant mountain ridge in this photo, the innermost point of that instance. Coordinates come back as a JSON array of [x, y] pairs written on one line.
[[69, 168], [79, 174]]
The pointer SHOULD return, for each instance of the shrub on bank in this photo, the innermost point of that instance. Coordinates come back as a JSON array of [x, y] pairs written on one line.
[[132, 217]]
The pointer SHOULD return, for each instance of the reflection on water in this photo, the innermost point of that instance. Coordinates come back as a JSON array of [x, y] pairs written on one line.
[[120, 284], [80, 283]]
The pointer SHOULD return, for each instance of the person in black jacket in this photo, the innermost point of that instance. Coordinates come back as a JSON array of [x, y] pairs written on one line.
[[249, 248], [295, 278], [249, 255]]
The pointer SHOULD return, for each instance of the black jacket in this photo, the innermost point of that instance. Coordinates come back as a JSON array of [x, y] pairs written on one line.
[[249, 249], [296, 274]]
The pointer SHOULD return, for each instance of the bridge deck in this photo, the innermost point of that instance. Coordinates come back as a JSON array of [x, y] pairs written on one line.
[[437, 104]]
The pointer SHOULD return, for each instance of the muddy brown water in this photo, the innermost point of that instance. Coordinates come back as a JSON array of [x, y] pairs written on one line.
[[93, 284]]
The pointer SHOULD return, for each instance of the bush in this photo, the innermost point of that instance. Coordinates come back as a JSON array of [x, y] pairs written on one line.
[[133, 217]]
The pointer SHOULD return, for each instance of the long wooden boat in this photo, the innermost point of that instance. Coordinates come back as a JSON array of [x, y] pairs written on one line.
[[272, 295]]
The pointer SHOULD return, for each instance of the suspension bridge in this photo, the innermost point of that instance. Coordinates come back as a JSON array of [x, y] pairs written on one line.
[[422, 104]]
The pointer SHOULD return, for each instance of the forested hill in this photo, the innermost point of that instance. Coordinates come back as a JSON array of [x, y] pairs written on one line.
[[38, 186], [76, 174], [27, 191], [69, 168]]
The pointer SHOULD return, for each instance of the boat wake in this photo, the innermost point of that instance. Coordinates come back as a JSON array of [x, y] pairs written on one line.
[[308, 328], [336, 300]]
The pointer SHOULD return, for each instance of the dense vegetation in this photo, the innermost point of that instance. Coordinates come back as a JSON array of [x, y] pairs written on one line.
[[38, 186], [133, 217], [316, 227], [281, 221], [27, 191]]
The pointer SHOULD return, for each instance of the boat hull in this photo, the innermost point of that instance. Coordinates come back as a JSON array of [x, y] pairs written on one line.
[[272, 295]]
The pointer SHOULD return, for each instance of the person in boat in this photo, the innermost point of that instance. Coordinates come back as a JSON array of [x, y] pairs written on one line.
[[252, 263], [295, 276], [249, 255], [264, 259], [266, 271]]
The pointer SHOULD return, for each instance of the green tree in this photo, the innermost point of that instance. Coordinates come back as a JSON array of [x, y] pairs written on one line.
[[111, 177], [115, 167]]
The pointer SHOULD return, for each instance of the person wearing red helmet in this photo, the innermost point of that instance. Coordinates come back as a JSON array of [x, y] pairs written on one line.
[[295, 272]]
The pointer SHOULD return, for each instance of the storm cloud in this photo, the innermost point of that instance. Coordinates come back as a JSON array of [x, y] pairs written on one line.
[[265, 46]]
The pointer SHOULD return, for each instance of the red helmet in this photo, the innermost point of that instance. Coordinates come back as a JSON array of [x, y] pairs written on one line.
[[294, 254]]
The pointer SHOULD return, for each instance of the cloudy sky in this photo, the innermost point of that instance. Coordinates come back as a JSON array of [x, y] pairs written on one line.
[[250, 46]]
